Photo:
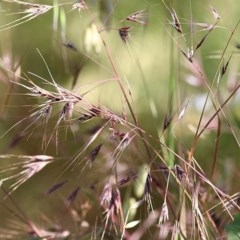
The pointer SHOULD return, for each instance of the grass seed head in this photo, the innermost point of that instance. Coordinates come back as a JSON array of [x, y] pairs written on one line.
[[38, 9], [138, 17], [215, 13], [148, 186], [70, 45], [80, 5], [67, 111], [175, 22], [181, 175], [71, 198], [92, 156], [106, 195], [55, 187], [164, 215], [124, 33], [30, 167], [167, 121]]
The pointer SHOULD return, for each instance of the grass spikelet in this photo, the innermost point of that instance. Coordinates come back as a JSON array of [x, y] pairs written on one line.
[[67, 111], [27, 168], [72, 197], [17, 231], [111, 201], [204, 38], [124, 33], [32, 11], [198, 216], [55, 187], [123, 181], [225, 67], [106, 195], [175, 21], [30, 168], [147, 192], [180, 173], [79, 5], [163, 224], [167, 121], [138, 17], [164, 216], [215, 13], [70, 45], [93, 154]]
